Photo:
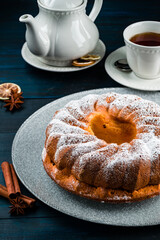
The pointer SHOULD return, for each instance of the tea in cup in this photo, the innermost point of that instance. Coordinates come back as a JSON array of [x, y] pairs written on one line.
[[142, 40]]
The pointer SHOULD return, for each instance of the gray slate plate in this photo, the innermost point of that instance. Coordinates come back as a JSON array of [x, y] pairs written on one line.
[[26, 155]]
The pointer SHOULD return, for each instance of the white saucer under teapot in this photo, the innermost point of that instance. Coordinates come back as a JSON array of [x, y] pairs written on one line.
[[62, 32]]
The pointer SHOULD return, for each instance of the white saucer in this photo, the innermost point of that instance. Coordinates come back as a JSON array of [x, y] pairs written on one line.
[[128, 79], [35, 62]]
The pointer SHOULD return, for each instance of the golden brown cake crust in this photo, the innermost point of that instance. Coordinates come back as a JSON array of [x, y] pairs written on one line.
[[67, 181], [105, 147]]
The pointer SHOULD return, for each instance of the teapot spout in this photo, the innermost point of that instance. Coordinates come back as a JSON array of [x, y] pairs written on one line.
[[37, 40]]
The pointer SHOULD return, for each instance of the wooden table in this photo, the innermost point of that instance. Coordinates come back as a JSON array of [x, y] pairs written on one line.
[[41, 87]]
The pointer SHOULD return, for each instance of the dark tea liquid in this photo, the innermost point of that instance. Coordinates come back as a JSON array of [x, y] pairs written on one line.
[[146, 39]]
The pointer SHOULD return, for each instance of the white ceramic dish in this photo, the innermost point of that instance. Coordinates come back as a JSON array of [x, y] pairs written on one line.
[[35, 62], [62, 31], [128, 79], [143, 60], [26, 155]]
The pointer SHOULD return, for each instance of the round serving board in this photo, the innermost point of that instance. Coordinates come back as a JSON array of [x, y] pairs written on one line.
[[26, 155]]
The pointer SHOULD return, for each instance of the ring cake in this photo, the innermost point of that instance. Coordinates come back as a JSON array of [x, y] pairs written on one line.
[[105, 147]]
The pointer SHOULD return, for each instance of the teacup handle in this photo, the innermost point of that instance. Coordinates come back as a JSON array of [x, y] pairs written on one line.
[[96, 9]]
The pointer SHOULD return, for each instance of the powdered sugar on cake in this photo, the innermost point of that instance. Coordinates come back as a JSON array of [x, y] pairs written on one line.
[[71, 122]]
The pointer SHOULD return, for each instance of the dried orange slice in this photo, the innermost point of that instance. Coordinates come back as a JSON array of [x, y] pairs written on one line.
[[81, 63], [5, 90], [90, 57]]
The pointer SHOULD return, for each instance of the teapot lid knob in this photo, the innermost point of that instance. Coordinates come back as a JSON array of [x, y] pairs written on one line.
[[61, 4]]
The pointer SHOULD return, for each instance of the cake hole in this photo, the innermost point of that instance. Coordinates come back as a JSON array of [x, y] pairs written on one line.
[[112, 130]]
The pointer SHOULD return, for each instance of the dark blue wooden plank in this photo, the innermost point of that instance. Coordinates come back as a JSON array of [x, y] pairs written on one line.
[[68, 228], [114, 17], [5, 146], [11, 121], [44, 222], [38, 83]]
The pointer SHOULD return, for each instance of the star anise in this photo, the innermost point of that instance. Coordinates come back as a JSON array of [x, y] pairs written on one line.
[[14, 101], [18, 206]]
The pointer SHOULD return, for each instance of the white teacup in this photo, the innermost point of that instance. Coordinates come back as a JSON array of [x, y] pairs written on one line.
[[143, 60]]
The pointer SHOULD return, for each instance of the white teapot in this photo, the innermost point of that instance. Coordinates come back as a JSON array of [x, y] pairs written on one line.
[[62, 32]]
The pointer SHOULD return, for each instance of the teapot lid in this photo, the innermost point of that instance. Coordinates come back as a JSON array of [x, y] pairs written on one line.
[[61, 4]]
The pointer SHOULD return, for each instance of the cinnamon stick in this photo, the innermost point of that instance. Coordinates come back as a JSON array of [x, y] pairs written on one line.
[[8, 179], [12, 189], [15, 181], [3, 191], [11, 180], [29, 201]]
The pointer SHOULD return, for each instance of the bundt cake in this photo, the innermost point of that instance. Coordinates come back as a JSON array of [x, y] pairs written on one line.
[[105, 147]]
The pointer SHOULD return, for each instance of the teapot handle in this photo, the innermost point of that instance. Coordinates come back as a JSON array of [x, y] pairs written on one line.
[[96, 9]]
